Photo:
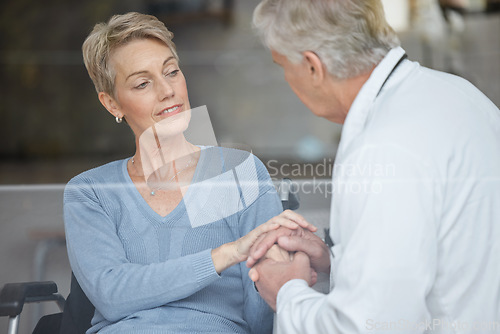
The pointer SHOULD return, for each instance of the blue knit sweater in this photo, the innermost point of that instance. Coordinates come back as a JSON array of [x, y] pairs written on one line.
[[146, 273]]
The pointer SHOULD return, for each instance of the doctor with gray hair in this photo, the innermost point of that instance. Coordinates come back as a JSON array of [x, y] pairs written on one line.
[[418, 249]]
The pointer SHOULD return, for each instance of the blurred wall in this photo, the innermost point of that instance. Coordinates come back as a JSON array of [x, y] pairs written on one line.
[[48, 106], [50, 112]]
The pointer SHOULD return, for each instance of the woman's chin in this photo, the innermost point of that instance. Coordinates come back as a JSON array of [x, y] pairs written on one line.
[[173, 125]]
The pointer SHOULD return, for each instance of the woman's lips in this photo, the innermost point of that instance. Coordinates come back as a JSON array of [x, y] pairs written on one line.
[[170, 111]]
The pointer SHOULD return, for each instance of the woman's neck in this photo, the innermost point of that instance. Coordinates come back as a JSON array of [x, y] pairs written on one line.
[[164, 151]]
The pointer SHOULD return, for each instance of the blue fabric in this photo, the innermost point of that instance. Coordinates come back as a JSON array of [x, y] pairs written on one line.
[[146, 273]]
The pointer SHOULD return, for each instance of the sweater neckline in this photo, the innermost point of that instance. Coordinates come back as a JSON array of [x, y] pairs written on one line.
[[178, 211]]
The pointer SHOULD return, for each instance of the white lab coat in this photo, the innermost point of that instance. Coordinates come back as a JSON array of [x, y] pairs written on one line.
[[415, 212]]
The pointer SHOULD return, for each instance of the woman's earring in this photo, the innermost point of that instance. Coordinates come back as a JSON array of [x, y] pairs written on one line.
[[118, 120]]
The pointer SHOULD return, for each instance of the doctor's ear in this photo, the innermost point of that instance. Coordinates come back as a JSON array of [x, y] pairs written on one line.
[[316, 68], [110, 104]]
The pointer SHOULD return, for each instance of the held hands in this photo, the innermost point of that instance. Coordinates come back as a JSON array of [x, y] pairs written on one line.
[[311, 255], [237, 251], [293, 240], [270, 275], [278, 254]]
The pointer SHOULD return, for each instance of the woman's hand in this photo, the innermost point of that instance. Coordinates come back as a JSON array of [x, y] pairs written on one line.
[[278, 254], [237, 251]]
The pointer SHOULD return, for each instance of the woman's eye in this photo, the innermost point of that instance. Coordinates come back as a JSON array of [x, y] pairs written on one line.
[[173, 73], [142, 85]]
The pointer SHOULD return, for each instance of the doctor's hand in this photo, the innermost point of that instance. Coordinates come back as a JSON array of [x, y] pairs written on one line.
[[270, 275], [237, 251], [295, 240]]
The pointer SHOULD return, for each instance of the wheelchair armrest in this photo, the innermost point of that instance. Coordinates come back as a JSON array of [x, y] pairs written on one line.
[[289, 195], [14, 295]]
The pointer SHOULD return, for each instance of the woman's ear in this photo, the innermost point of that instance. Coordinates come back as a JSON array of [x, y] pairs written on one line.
[[110, 104], [316, 69]]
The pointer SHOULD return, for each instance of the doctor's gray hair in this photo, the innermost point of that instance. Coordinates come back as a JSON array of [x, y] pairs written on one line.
[[349, 36]]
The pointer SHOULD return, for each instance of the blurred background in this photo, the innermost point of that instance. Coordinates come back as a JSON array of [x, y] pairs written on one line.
[[53, 127]]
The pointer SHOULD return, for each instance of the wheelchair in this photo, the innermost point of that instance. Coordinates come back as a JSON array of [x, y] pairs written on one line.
[[76, 310]]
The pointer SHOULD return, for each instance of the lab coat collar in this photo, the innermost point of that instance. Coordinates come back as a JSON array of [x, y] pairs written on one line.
[[360, 109]]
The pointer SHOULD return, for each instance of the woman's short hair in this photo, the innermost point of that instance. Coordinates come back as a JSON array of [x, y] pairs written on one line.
[[350, 36], [118, 31]]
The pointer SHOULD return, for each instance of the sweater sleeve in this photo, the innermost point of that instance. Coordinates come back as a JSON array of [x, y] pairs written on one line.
[[257, 313], [114, 285]]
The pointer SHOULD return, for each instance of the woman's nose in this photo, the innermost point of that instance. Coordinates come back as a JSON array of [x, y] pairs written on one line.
[[165, 89]]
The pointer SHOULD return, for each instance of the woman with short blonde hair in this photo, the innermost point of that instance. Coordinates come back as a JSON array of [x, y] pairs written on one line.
[[158, 241]]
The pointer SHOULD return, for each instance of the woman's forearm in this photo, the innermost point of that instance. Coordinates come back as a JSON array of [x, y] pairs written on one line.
[[226, 256]]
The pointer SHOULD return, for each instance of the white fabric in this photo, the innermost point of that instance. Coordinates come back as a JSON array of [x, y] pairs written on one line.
[[415, 212]]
